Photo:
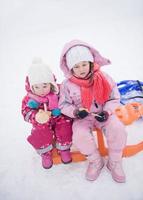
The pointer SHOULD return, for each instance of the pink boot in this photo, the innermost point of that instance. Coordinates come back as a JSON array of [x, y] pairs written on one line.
[[94, 167], [116, 171], [47, 161], [66, 156]]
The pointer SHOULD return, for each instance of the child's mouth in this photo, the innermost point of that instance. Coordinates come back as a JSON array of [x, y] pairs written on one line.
[[83, 73]]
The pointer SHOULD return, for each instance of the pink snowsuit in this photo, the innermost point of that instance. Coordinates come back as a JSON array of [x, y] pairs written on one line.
[[70, 100], [57, 132]]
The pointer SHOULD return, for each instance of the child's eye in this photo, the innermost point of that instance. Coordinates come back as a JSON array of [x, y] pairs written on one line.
[[84, 65], [45, 86], [36, 87]]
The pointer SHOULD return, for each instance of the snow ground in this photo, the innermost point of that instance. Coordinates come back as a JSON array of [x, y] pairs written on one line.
[[40, 28]]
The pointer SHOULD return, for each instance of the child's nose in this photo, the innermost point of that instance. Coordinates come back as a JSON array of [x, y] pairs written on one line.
[[42, 89], [81, 69]]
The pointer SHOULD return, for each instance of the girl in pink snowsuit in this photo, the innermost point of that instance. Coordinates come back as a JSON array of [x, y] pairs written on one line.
[[40, 108], [90, 96]]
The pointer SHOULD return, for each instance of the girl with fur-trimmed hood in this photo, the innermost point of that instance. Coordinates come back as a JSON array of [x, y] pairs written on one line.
[[90, 96]]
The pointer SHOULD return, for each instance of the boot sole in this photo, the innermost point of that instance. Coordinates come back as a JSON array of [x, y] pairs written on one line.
[[47, 167], [66, 162], [118, 180]]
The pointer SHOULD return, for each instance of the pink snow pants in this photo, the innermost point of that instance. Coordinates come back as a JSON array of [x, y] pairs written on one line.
[[58, 131], [113, 130]]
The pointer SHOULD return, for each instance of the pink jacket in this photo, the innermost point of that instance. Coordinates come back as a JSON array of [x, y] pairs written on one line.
[[28, 112], [70, 98]]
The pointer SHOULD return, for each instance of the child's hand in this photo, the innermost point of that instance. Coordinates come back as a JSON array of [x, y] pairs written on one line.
[[82, 113], [56, 112], [42, 116], [33, 104], [102, 116]]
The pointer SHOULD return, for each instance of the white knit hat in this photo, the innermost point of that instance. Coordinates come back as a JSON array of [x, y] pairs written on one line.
[[78, 54], [40, 73]]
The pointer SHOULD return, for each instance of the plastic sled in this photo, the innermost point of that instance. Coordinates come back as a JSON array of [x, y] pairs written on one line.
[[129, 112], [76, 157]]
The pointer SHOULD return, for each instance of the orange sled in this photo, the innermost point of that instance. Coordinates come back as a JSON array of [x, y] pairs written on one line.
[[129, 112]]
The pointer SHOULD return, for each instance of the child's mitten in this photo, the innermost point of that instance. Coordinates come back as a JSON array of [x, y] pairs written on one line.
[[102, 116], [56, 112], [33, 104], [81, 114]]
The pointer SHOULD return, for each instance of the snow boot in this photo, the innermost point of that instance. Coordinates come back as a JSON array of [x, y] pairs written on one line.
[[47, 161], [66, 156], [94, 167], [116, 171]]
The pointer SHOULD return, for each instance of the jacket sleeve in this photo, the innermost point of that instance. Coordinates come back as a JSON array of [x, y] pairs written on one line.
[[27, 112], [114, 100], [65, 102]]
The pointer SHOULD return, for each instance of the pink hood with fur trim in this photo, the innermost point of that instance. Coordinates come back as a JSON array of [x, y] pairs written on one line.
[[97, 57]]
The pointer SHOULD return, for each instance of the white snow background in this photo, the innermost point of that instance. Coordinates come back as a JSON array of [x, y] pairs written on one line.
[[31, 28]]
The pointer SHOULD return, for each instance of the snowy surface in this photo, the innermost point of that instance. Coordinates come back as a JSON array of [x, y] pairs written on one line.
[[31, 28]]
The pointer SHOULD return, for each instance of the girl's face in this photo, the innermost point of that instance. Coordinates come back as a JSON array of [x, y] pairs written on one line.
[[41, 89], [81, 69]]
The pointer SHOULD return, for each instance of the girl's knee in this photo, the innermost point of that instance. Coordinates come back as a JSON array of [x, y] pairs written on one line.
[[86, 144]]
